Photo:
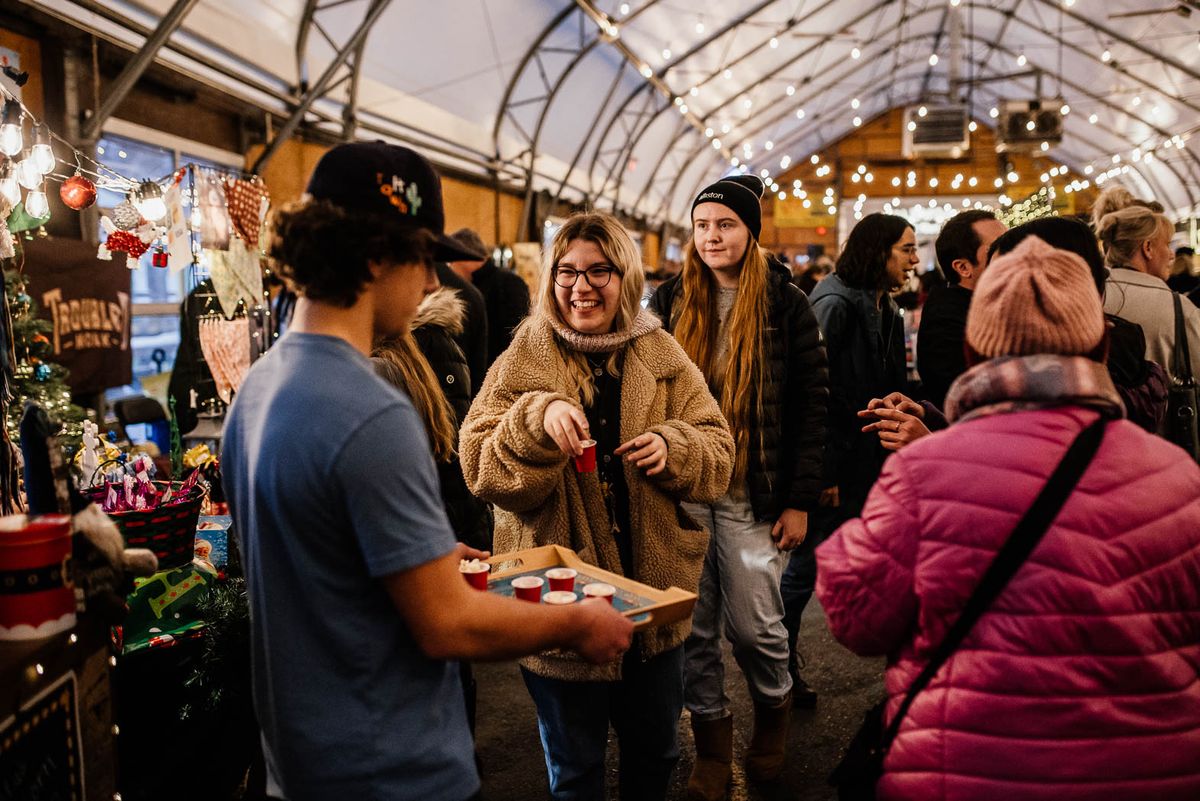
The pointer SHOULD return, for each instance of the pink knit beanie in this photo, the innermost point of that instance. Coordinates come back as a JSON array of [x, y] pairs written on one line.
[[1035, 299]]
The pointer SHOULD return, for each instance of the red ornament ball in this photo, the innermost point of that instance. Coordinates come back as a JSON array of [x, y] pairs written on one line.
[[77, 192]]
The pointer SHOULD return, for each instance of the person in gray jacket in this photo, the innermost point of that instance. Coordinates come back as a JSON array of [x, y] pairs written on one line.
[[1137, 251]]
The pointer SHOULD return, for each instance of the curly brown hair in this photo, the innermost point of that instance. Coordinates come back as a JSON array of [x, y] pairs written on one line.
[[324, 252]]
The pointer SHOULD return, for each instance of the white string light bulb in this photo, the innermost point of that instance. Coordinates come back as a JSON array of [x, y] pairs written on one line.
[[10, 129], [28, 174], [41, 151], [36, 204]]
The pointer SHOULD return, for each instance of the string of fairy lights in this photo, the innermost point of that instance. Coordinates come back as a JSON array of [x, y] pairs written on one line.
[[29, 161]]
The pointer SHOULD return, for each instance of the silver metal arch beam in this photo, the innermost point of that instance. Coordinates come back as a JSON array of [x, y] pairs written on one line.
[[1192, 162], [1184, 184], [1147, 179], [1008, 16], [600, 112], [1157, 55], [632, 142], [810, 126], [623, 151], [323, 84], [135, 67]]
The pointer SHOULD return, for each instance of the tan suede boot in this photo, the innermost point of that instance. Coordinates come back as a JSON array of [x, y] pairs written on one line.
[[764, 757], [714, 758]]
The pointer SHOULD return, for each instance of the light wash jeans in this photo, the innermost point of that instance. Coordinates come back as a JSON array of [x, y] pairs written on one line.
[[739, 591]]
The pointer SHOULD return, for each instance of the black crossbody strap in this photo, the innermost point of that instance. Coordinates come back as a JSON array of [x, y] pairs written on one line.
[[1181, 355], [1025, 537]]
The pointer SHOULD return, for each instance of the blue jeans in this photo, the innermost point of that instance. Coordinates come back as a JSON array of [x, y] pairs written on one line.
[[644, 709], [800, 578]]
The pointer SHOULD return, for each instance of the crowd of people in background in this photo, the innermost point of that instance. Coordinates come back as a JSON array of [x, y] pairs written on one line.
[[760, 440]]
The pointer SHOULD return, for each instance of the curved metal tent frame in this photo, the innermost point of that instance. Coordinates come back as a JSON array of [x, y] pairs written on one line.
[[581, 56], [612, 182]]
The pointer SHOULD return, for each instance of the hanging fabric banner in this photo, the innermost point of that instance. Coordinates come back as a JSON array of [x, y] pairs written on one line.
[[179, 238], [88, 302], [214, 215]]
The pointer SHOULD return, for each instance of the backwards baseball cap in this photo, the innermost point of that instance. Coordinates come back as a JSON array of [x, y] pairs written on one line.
[[388, 181], [741, 195]]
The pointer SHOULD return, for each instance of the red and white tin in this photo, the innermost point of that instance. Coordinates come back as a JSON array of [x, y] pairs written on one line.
[[37, 597]]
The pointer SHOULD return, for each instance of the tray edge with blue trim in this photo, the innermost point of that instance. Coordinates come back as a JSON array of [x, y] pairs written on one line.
[[661, 607]]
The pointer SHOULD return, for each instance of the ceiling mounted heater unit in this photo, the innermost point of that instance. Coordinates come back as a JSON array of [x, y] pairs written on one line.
[[1025, 124], [941, 132]]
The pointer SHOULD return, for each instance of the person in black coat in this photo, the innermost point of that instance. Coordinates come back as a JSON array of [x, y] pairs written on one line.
[[438, 321], [473, 338], [754, 337], [504, 293], [962, 253], [864, 336]]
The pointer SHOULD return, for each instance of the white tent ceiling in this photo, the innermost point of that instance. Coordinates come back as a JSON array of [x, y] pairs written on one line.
[[585, 96]]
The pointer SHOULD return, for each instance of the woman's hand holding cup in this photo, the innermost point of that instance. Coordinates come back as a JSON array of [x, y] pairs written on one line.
[[567, 425]]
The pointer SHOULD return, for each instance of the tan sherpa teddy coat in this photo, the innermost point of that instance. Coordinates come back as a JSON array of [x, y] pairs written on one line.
[[510, 460]]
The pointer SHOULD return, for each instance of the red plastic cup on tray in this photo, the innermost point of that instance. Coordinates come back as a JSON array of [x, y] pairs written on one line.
[[586, 463], [562, 579], [559, 598], [528, 588], [475, 572], [598, 589]]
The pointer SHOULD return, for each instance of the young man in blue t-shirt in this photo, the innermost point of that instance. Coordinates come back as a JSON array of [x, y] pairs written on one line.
[[356, 601]]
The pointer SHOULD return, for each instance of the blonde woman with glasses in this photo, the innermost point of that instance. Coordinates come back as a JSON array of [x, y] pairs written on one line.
[[590, 364]]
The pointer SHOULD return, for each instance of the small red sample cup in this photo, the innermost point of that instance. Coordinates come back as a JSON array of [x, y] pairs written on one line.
[[559, 598], [562, 579], [600, 590], [587, 462], [475, 572], [528, 588]]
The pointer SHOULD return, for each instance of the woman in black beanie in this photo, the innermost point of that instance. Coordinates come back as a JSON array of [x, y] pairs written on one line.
[[755, 339]]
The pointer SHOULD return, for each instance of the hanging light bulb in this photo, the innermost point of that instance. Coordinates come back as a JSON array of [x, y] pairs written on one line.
[[10, 129], [36, 204], [148, 199], [28, 174], [8, 184], [42, 152]]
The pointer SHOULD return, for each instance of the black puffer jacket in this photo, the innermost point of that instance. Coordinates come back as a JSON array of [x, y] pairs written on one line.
[[786, 472], [438, 321]]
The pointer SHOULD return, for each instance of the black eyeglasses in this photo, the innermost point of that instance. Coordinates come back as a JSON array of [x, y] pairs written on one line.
[[596, 277]]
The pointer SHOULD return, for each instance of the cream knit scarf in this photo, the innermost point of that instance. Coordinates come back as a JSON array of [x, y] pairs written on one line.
[[645, 323]]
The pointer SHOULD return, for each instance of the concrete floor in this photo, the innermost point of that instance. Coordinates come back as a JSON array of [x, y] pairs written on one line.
[[511, 754]]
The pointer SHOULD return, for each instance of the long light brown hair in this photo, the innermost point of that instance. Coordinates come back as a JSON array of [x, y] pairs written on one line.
[[400, 362], [697, 327], [607, 233]]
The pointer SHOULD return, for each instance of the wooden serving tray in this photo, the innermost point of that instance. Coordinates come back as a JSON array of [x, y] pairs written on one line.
[[644, 605]]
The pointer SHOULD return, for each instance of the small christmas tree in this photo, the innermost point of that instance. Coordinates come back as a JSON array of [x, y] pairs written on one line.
[[35, 377]]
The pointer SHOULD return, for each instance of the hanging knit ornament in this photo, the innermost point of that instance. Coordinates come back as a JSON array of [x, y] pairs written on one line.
[[42, 372], [125, 242], [245, 201], [125, 216], [77, 192]]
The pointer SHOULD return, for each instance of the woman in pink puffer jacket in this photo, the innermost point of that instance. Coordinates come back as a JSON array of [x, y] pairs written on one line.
[[1082, 681]]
